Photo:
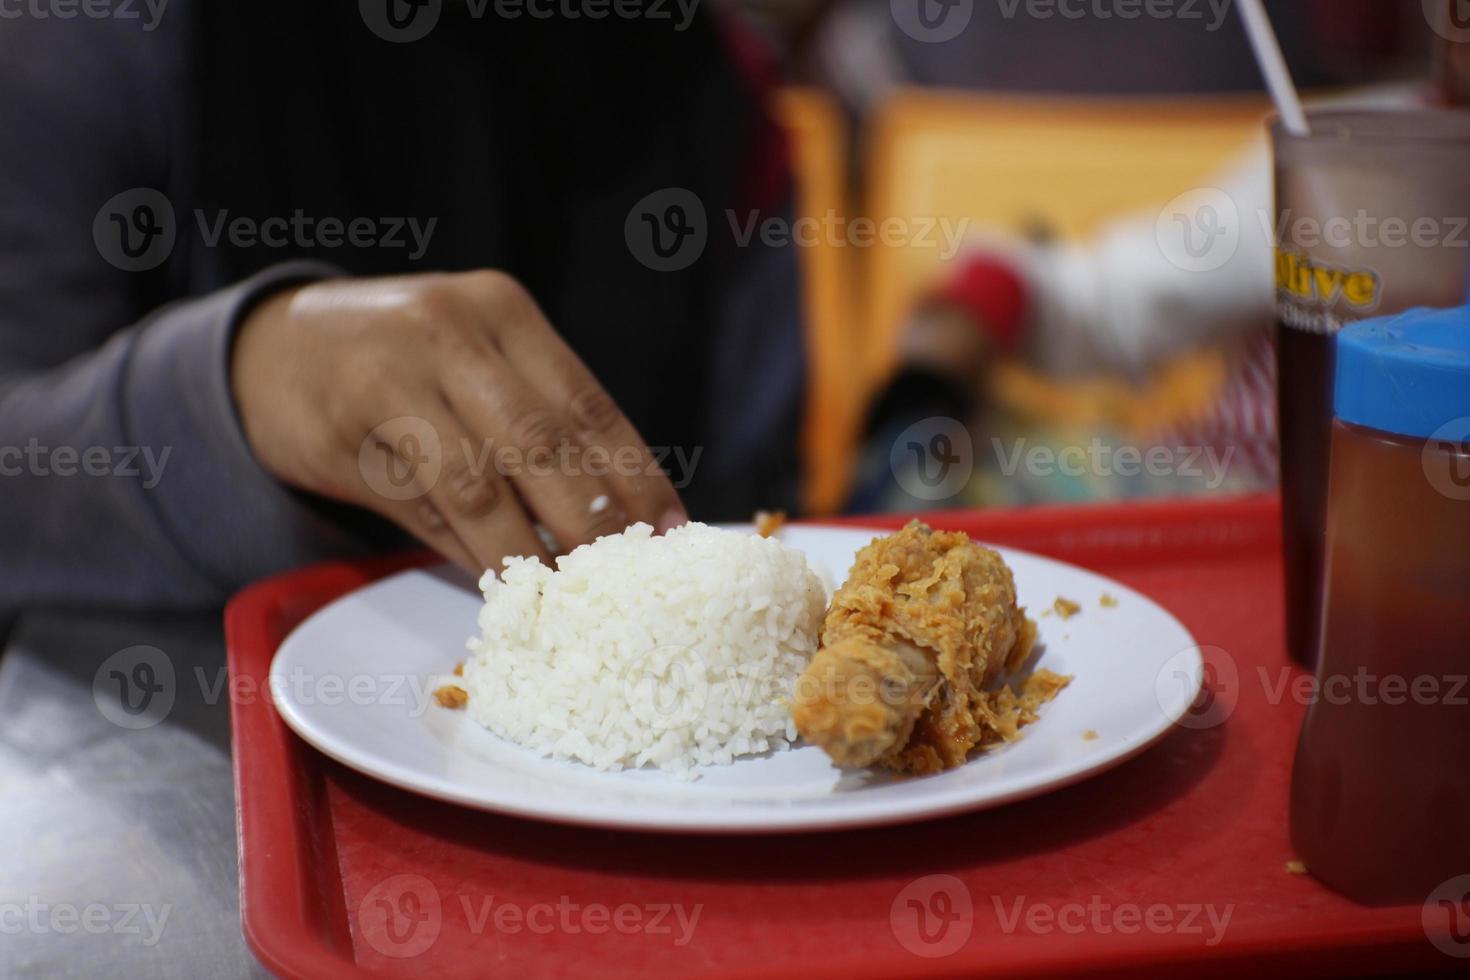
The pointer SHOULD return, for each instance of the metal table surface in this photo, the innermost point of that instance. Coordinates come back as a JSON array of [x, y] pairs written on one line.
[[118, 839]]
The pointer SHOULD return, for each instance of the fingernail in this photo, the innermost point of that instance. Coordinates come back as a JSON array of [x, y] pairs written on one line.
[[672, 518]]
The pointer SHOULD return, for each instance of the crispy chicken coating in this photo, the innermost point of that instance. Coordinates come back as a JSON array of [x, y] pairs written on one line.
[[913, 647]]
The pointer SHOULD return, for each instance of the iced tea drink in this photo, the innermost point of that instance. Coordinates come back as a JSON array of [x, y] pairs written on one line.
[[1371, 218]]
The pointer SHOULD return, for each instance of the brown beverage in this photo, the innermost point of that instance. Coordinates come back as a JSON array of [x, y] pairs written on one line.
[[1379, 798], [1371, 215]]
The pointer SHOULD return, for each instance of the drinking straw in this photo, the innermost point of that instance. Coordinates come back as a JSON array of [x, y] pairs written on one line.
[[1273, 67]]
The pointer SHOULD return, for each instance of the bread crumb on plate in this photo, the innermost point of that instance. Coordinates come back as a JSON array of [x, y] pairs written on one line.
[[452, 696], [1066, 608], [1107, 601], [768, 522]]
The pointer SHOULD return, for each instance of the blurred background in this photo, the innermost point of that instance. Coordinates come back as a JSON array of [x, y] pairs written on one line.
[[1039, 262]]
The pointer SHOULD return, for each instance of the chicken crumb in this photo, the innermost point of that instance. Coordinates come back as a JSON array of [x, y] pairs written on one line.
[[452, 696], [1107, 601], [459, 669], [1066, 608], [768, 522], [1089, 736], [1295, 868]]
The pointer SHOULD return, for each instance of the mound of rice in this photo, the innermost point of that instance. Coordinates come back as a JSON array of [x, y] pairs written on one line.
[[675, 651]]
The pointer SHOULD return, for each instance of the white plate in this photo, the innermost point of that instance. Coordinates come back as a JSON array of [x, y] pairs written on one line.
[[356, 679]]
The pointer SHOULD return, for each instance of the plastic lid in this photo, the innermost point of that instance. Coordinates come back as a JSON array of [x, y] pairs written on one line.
[[1407, 374]]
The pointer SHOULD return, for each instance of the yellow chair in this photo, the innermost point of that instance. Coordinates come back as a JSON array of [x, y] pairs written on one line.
[[1014, 163], [835, 391]]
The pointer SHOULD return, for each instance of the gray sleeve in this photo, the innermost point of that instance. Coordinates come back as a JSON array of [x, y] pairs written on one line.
[[125, 478]]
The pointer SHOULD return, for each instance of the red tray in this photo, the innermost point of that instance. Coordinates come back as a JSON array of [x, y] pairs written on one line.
[[341, 876]]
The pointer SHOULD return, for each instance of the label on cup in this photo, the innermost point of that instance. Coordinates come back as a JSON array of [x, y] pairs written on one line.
[[1320, 297]]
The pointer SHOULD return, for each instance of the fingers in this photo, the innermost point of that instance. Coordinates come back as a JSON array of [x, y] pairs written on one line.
[[462, 364], [394, 481], [447, 495], [422, 520], [528, 436], [612, 447], [638, 483], [478, 504], [532, 447]]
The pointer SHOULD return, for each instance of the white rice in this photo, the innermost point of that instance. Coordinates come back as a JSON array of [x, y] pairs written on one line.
[[674, 651]]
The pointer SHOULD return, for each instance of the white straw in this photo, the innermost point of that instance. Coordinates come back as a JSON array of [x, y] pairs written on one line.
[[1273, 66]]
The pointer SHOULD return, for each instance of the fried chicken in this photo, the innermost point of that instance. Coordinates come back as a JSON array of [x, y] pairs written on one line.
[[913, 647]]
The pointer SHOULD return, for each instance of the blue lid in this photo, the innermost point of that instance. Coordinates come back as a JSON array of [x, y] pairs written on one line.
[[1408, 374]]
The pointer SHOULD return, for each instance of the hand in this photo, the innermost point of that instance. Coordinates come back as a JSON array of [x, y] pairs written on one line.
[[447, 404]]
